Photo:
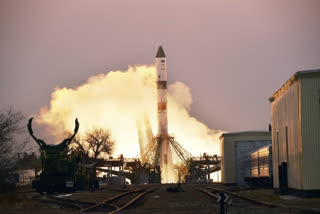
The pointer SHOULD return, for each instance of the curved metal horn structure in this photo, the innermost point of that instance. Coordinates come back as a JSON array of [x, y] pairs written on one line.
[[76, 128], [39, 142]]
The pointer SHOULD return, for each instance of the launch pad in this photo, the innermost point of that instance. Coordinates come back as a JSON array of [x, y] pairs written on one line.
[[188, 167]]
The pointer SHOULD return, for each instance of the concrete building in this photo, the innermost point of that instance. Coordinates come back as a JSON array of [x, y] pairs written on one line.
[[235, 150], [26, 176], [295, 119]]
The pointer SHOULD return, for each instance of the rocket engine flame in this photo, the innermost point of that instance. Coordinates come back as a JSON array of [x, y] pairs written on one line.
[[114, 100]]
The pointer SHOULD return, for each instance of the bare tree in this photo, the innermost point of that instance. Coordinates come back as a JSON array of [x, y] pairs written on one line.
[[100, 142], [95, 144], [11, 125]]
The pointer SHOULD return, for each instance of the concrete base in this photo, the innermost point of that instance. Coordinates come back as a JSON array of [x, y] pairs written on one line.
[[229, 184], [314, 193]]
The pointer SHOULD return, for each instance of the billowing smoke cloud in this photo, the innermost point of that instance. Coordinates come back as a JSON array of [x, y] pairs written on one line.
[[116, 99]]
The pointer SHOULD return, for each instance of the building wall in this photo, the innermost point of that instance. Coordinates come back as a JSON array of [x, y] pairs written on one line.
[[228, 152], [285, 113], [222, 164], [225, 170], [310, 129]]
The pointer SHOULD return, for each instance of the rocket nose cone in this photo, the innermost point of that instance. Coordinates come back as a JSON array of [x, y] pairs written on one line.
[[160, 52]]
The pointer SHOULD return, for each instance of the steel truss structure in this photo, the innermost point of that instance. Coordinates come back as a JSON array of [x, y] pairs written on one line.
[[150, 145]]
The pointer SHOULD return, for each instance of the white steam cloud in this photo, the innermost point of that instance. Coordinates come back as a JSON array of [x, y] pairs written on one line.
[[114, 101]]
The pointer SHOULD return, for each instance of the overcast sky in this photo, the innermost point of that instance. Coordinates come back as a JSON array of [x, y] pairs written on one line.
[[232, 54]]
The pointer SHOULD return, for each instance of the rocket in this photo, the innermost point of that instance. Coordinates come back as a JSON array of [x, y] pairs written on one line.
[[161, 68], [166, 163]]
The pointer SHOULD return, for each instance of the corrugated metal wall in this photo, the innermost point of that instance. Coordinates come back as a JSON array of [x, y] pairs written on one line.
[[310, 126], [285, 141], [227, 152], [243, 150]]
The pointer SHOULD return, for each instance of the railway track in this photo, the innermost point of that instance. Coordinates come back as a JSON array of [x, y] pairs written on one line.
[[75, 204], [241, 202], [119, 202], [109, 205]]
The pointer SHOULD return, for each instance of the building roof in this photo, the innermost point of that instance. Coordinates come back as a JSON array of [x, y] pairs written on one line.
[[289, 83], [244, 133], [160, 52]]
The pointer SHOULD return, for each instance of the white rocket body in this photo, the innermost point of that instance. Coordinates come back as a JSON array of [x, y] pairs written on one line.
[[161, 67], [168, 174]]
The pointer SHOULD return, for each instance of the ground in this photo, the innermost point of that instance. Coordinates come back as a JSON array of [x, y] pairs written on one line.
[[159, 201], [189, 201]]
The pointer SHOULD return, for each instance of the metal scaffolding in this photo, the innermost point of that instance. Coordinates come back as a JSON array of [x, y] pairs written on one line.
[[150, 145], [195, 167]]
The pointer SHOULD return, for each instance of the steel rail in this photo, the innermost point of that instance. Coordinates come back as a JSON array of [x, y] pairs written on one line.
[[202, 190], [71, 201], [262, 203], [57, 200], [213, 195], [109, 200], [244, 198], [64, 204], [133, 200]]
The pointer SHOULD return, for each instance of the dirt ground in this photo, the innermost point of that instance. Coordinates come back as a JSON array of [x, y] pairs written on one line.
[[159, 201], [193, 201], [294, 204], [18, 203], [267, 195], [21, 201]]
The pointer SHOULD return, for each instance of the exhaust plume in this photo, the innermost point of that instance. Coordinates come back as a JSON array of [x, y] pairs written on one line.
[[114, 100]]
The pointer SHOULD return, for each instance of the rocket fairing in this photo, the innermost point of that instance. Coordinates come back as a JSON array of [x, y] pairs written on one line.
[[166, 162]]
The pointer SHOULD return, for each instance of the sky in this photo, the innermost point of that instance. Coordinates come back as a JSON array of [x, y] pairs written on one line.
[[232, 55]]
